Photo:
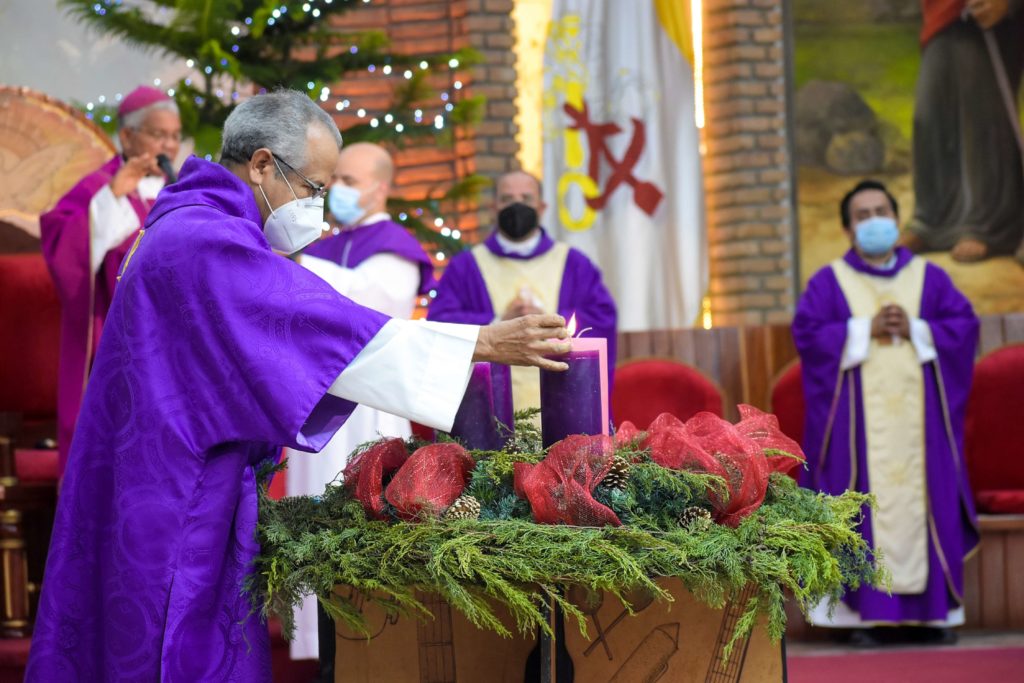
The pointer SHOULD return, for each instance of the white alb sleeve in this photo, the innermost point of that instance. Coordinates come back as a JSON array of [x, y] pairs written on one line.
[[111, 220], [384, 282], [415, 369], [858, 343], [921, 338]]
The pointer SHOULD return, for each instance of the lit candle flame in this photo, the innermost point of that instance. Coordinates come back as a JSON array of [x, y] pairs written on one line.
[[571, 327]]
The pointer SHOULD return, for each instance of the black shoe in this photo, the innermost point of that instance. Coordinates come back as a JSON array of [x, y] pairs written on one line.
[[864, 637], [942, 636]]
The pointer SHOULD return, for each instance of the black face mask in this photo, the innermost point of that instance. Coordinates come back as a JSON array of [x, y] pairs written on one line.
[[517, 220]]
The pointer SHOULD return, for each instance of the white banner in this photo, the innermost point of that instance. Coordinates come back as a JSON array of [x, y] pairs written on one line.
[[622, 174]]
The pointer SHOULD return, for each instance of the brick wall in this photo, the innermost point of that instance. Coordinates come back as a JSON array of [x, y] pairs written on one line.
[[747, 167], [422, 26], [490, 31]]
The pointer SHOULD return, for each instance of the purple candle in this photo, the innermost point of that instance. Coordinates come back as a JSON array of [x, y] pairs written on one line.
[[475, 425], [576, 401], [504, 411]]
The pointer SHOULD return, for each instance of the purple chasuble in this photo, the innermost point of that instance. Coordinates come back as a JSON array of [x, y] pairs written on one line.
[[84, 298], [462, 295], [834, 427], [217, 352], [351, 247]]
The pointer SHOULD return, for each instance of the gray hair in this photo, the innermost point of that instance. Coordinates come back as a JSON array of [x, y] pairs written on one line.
[[279, 121], [135, 119]]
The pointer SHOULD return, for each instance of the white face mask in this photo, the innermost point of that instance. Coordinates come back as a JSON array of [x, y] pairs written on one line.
[[293, 225]]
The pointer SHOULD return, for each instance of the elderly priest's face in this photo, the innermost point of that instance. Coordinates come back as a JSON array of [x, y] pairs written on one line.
[[159, 133], [286, 175]]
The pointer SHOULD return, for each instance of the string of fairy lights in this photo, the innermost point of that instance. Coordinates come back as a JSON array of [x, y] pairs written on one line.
[[387, 119], [102, 107]]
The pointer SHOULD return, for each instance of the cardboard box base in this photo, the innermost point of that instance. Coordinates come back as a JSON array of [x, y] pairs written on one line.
[[681, 641]]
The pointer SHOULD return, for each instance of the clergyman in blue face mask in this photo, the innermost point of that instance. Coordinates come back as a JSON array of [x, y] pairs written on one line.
[[376, 263], [887, 347]]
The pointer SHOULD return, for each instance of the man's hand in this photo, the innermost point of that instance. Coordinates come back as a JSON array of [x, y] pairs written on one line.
[[988, 13], [519, 307], [891, 321], [524, 341], [131, 172]]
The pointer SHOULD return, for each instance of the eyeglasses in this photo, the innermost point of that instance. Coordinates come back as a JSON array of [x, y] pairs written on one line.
[[161, 135], [318, 189]]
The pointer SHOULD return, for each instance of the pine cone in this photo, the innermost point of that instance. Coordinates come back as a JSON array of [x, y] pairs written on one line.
[[464, 507], [618, 475], [695, 518]]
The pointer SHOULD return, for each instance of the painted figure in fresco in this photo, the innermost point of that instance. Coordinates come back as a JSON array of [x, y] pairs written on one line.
[[968, 181], [887, 347]]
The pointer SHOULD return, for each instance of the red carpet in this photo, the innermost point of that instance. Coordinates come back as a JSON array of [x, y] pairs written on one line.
[[918, 665]]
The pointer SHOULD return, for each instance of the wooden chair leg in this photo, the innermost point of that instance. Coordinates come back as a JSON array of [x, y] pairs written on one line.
[[15, 608], [15, 621]]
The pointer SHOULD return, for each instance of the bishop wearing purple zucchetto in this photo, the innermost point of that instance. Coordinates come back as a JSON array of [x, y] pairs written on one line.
[[887, 345], [85, 236], [217, 351]]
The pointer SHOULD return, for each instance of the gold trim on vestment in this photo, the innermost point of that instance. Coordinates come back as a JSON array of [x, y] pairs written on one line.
[[892, 405]]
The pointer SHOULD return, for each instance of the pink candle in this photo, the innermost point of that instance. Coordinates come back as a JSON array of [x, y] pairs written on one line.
[[576, 401]]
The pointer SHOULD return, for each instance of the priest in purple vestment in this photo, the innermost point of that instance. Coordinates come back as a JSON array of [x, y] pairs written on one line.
[[217, 352], [88, 232], [887, 347], [520, 270]]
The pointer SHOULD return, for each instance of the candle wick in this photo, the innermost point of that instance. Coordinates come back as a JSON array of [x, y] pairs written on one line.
[[580, 333]]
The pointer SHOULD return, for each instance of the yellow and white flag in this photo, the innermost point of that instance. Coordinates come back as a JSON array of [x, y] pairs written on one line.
[[622, 176]]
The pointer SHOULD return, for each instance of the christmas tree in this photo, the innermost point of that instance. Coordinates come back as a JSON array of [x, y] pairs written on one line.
[[237, 47]]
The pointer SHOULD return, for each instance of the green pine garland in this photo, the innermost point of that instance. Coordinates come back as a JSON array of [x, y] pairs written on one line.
[[799, 542]]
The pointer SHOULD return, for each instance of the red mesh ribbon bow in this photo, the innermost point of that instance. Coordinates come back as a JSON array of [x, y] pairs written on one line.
[[746, 470], [364, 475], [708, 444], [764, 429], [560, 487], [673, 446], [430, 481]]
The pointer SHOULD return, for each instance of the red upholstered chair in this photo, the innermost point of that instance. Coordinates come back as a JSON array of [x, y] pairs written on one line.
[[646, 388], [994, 431], [29, 343], [787, 403]]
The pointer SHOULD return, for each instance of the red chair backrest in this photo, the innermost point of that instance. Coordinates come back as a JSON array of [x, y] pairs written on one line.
[[29, 336], [787, 402], [646, 388], [994, 430]]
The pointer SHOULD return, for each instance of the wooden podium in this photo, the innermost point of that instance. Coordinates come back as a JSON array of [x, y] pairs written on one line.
[[680, 641]]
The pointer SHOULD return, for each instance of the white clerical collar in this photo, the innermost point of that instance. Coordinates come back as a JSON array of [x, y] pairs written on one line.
[[518, 248], [149, 187], [890, 264], [369, 220], [376, 218]]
